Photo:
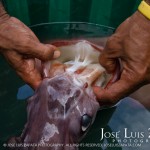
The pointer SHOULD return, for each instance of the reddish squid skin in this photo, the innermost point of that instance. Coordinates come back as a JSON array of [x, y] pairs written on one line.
[[59, 112]]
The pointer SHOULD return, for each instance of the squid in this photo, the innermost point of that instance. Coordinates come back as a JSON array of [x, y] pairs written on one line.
[[64, 106]]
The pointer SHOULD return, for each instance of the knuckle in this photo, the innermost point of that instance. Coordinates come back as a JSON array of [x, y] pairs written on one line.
[[48, 53], [110, 47], [108, 64], [111, 39], [13, 19], [25, 44], [113, 42]]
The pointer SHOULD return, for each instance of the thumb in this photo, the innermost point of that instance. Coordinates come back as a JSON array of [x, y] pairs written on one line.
[[109, 64], [115, 92], [43, 52], [112, 51]]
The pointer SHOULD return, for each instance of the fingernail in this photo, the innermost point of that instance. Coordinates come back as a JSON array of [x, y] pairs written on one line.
[[56, 54]]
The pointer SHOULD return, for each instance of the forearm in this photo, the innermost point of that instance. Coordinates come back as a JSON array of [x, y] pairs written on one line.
[[2, 10], [3, 13]]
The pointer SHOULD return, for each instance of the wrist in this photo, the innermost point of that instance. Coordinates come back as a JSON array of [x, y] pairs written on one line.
[[141, 21]]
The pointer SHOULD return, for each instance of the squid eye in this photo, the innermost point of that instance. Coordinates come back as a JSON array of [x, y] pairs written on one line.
[[85, 122]]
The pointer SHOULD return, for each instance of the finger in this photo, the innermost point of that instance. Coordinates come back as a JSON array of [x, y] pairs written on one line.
[[41, 51], [13, 58], [32, 77], [112, 51], [115, 92], [25, 68], [108, 63]]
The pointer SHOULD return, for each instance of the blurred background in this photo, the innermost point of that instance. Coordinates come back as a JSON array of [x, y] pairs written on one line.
[[105, 12]]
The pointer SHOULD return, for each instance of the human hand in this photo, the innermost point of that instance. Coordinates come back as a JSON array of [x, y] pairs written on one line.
[[20, 47], [131, 44]]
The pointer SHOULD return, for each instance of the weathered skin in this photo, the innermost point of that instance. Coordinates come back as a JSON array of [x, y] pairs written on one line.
[[64, 106]]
